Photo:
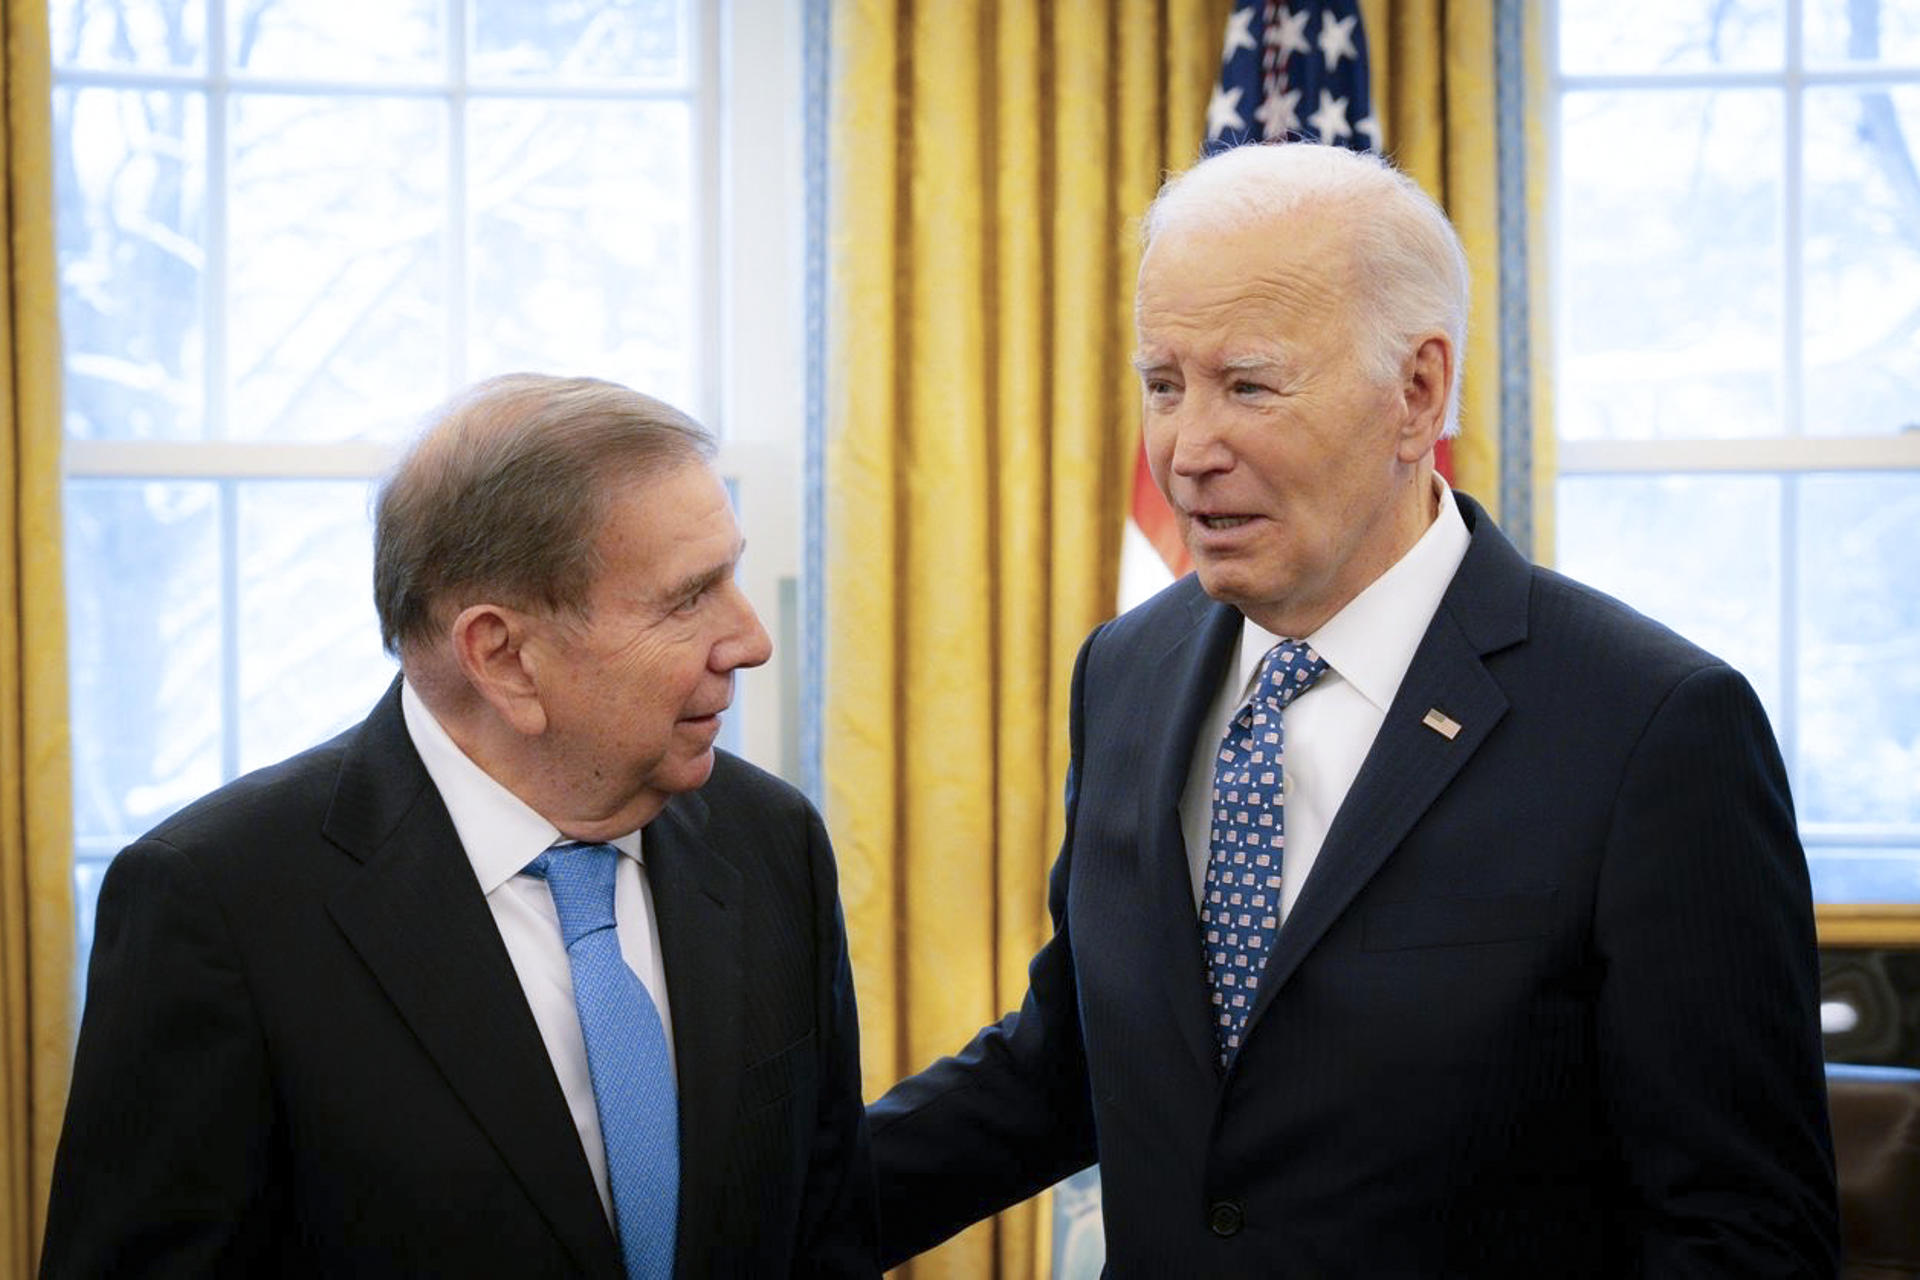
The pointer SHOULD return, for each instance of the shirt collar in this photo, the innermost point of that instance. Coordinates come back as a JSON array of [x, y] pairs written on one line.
[[1370, 643], [499, 831]]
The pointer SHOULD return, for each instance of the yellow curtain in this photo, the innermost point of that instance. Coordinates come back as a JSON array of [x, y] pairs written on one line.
[[990, 161], [1435, 88], [36, 834]]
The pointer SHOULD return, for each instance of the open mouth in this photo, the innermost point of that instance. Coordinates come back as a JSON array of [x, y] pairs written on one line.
[[1222, 522]]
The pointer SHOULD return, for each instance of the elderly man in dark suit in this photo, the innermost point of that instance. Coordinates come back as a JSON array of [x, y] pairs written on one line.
[[520, 977], [1420, 913]]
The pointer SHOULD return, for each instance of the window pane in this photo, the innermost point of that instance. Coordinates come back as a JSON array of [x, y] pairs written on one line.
[[584, 246], [1859, 723], [1669, 35], [337, 39], [147, 34], [1699, 553], [1669, 265], [310, 656], [634, 40], [143, 613], [1863, 30], [338, 277], [1862, 336], [1864, 874], [130, 179]]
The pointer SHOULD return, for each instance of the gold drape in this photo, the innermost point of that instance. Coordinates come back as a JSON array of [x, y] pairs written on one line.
[[36, 840], [990, 161], [1436, 92]]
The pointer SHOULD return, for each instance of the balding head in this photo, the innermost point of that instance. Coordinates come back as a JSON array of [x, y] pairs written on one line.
[[502, 495]]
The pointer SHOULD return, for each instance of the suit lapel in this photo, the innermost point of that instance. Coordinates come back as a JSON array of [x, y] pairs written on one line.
[[695, 896], [1181, 684], [1410, 763], [417, 918]]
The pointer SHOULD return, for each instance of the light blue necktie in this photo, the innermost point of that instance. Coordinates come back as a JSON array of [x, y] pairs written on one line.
[[1240, 906], [627, 1056]]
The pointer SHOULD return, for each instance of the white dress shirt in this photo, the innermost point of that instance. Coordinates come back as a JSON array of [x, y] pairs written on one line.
[[501, 835], [1330, 728]]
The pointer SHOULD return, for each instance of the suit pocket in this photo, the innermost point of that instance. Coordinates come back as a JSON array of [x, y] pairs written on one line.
[[775, 1076], [1457, 922]]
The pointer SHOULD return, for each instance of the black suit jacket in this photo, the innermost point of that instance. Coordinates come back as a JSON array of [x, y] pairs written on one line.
[[1546, 1006], [305, 1050]]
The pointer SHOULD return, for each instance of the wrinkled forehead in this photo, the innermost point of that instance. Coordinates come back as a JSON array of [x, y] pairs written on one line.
[[1278, 275]]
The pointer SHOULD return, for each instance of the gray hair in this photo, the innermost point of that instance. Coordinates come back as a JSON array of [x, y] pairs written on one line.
[[1406, 257], [501, 497]]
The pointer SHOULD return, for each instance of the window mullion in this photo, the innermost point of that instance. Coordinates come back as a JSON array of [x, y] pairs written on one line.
[[459, 216], [229, 517], [214, 286], [1792, 229], [707, 291]]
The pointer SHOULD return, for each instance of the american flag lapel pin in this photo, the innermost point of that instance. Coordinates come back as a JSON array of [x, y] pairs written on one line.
[[1441, 723]]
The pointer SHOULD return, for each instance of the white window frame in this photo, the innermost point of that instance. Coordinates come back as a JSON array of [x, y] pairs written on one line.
[[1792, 455], [748, 291]]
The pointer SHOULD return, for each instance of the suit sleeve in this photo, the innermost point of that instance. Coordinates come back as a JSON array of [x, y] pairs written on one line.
[[1009, 1115], [1708, 1016], [163, 1163], [837, 1215]]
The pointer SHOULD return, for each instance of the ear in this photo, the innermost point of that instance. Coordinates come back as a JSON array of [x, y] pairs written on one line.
[[1426, 385], [489, 644]]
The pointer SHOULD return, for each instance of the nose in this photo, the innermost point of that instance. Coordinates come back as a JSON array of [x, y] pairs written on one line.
[[1199, 443], [746, 642]]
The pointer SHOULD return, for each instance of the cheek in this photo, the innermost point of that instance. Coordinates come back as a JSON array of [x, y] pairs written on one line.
[[1157, 440]]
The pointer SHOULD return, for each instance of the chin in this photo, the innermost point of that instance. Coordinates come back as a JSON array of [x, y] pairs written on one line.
[[689, 774], [1224, 582]]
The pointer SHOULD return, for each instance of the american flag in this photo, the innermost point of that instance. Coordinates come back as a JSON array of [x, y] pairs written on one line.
[[1288, 72], [1293, 72]]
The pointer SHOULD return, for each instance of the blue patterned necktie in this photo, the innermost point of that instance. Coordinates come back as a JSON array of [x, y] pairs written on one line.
[[627, 1056], [1240, 908]]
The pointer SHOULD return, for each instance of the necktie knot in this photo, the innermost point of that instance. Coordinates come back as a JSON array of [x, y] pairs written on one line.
[[1289, 670], [580, 877]]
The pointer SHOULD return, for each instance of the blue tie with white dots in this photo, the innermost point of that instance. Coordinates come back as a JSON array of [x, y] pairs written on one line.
[[627, 1056], [1240, 905]]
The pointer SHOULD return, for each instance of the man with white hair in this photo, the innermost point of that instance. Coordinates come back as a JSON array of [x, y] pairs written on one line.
[[1421, 912]]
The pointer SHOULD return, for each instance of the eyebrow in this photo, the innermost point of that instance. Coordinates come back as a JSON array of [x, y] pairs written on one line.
[[695, 584], [1146, 361]]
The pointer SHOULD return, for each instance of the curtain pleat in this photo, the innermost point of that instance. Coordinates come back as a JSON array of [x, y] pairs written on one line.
[[36, 832]]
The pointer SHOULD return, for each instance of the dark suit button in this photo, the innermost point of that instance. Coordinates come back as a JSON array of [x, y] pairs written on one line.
[[1225, 1218]]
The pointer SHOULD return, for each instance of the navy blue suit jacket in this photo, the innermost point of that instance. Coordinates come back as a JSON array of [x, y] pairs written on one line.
[[1546, 1006], [306, 1052]]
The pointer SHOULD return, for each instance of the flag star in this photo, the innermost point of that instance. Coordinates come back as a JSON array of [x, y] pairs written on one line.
[[1330, 121], [1336, 38], [1371, 128], [1239, 33], [1223, 111], [1280, 113], [1288, 30]]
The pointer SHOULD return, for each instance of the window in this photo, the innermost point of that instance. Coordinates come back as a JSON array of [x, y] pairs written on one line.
[[287, 229], [1736, 311]]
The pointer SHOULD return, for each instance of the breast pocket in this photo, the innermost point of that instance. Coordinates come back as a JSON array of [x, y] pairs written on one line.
[[777, 1075], [1457, 922]]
